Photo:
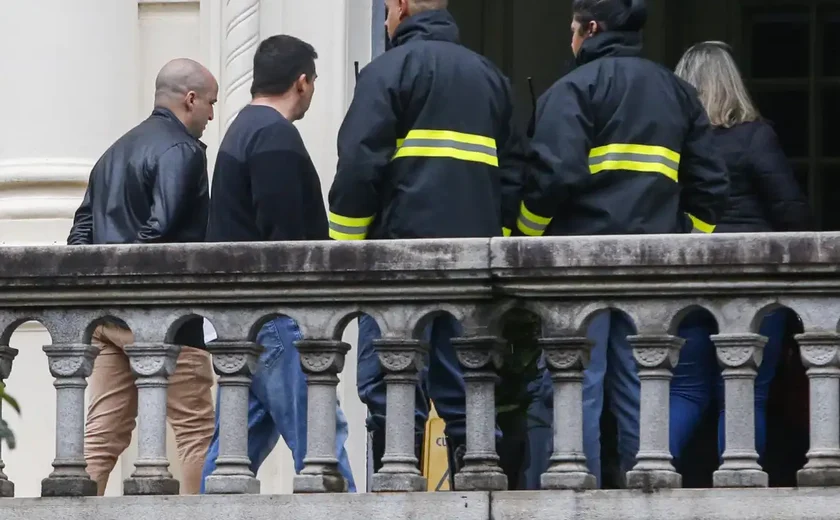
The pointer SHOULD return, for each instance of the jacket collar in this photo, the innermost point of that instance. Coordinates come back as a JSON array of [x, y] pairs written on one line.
[[436, 25], [610, 43], [168, 115]]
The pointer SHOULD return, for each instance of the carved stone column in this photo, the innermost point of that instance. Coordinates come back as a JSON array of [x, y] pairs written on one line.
[[70, 365], [740, 356], [240, 39], [322, 361], [7, 354], [401, 360], [820, 355], [152, 364], [480, 358], [566, 358], [235, 363], [656, 356]]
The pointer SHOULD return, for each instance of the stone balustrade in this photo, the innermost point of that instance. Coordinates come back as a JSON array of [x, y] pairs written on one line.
[[655, 280]]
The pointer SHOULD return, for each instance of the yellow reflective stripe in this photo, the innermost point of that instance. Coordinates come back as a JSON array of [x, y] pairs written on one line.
[[452, 153], [531, 224], [449, 135], [699, 225], [636, 166], [348, 228], [635, 157], [449, 144], [506, 232]]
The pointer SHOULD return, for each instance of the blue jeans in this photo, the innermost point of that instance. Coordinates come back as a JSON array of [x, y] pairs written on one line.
[[612, 369], [441, 379], [277, 404], [697, 379]]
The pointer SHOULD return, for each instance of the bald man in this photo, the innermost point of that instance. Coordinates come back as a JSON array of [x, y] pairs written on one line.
[[149, 187]]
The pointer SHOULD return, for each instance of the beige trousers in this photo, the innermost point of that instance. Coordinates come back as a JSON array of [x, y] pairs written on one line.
[[113, 408]]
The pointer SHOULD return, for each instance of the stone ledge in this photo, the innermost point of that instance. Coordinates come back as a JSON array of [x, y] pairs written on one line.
[[679, 504]]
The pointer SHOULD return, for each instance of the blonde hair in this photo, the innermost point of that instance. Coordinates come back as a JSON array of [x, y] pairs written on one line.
[[710, 68]]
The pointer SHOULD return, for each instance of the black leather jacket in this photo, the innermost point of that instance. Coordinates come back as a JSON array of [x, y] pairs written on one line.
[[150, 186]]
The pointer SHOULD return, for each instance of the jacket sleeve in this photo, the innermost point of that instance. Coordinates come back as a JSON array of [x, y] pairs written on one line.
[[178, 177], [82, 231], [278, 171], [784, 203], [703, 178], [513, 160], [559, 155], [367, 141]]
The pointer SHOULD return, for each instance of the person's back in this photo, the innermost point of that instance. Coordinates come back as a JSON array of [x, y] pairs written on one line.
[[424, 147], [123, 186], [149, 187], [265, 187], [621, 145]]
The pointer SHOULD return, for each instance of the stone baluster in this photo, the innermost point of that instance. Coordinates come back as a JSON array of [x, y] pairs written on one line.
[[235, 363], [322, 361], [7, 354], [739, 356], [566, 358], [70, 365], [401, 361], [152, 364], [656, 356], [822, 359], [480, 358]]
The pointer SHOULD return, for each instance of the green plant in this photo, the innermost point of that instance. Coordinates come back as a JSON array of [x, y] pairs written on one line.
[[5, 432]]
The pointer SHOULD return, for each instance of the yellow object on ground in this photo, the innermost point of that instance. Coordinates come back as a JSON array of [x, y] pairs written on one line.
[[435, 463]]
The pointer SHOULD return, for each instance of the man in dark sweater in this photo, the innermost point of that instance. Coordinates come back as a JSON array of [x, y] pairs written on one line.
[[265, 188]]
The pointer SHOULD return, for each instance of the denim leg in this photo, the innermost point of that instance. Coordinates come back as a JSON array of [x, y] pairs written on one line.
[[540, 427], [773, 327], [593, 392], [692, 386], [262, 435], [622, 382], [445, 379], [370, 381], [281, 386]]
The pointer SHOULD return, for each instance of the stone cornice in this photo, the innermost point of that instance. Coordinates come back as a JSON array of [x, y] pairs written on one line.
[[39, 188]]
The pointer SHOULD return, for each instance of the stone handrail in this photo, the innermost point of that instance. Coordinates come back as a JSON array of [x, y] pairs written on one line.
[[656, 280]]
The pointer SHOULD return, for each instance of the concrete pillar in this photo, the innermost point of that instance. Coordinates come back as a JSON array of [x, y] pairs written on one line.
[[566, 359], [240, 39], [480, 358], [235, 363], [152, 364], [71, 91], [71, 365], [821, 356], [7, 355], [401, 361], [656, 356], [739, 356]]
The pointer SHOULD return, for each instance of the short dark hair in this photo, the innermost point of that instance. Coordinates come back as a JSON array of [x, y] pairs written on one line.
[[279, 62], [611, 15]]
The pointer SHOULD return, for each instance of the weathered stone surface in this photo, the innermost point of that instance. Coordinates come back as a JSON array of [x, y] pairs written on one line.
[[68, 487], [151, 486], [677, 504]]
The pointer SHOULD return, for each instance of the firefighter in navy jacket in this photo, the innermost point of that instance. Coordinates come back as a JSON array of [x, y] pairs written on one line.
[[427, 150], [621, 146]]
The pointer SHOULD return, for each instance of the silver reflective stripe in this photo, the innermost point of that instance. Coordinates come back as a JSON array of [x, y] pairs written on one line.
[[350, 230], [448, 143], [530, 224], [634, 157]]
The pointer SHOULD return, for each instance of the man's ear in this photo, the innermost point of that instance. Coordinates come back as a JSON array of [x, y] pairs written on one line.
[[190, 98], [593, 28], [300, 84]]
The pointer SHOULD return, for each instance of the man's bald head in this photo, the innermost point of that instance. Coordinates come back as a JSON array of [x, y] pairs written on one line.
[[189, 90], [180, 76]]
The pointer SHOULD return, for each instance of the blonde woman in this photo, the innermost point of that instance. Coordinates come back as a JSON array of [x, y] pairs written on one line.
[[764, 197]]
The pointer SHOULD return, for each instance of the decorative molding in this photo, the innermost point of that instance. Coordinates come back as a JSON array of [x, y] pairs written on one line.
[[240, 39], [42, 188]]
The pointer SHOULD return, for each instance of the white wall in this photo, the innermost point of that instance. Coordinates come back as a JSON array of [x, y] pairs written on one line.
[[76, 75]]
